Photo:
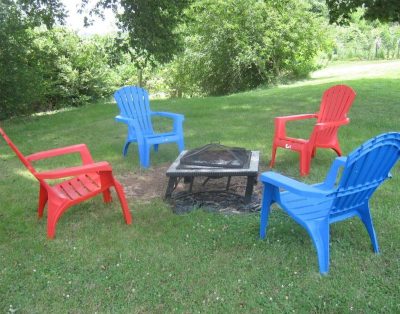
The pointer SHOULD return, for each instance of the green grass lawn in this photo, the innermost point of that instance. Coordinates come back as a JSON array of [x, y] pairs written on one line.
[[201, 261]]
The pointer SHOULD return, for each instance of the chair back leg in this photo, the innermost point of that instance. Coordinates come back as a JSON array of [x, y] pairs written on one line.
[[124, 204], [271, 164], [365, 215], [125, 149]]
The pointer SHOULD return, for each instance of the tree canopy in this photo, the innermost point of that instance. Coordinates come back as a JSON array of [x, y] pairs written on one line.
[[37, 12], [152, 26], [383, 10]]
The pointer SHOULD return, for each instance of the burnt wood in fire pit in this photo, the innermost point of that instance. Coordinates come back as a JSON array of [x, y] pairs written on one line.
[[176, 173]]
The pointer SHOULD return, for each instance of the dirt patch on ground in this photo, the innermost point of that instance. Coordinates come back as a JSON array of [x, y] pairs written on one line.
[[146, 185]]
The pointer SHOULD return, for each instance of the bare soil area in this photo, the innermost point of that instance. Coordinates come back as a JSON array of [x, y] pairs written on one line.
[[146, 185]]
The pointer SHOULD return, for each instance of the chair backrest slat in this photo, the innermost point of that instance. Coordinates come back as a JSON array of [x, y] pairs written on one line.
[[21, 157], [366, 168], [133, 102], [335, 104]]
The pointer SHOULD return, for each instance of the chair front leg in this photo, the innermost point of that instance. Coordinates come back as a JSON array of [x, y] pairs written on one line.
[[267, 200], [319, 233], [181, 144], [42, 200], [144, 155], [55, 210], [305, 161], [107, 196]]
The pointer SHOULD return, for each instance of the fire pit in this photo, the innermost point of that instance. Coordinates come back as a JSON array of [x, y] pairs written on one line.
[[214, 161]]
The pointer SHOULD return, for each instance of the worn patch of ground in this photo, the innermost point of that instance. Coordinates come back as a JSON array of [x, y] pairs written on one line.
[[146, 185]]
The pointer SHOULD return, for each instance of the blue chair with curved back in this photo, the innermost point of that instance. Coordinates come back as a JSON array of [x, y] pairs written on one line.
[[134, 106], [316, 206]]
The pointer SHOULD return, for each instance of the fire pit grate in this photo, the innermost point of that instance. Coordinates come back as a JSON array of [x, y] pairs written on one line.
[[215, 156], [214, 201]]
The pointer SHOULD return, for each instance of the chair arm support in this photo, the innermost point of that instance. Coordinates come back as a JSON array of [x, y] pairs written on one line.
[[178, 119], [79, 148], [74, 171], [280, 122], [292, 185], [333, 172]]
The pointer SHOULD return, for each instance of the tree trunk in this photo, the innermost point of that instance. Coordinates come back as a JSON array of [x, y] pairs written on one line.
[[140, 77]]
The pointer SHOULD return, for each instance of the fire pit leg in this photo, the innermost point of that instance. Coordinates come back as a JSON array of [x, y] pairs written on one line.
[[172, 182], [228, 184], [191, 184], [251, 181]]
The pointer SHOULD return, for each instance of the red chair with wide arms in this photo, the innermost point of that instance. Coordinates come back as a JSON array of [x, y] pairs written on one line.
[[335, 104], [78, 183]]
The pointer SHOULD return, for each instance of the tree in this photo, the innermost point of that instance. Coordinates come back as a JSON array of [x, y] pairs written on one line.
[[152, 27], [383, 10], [233, 45]]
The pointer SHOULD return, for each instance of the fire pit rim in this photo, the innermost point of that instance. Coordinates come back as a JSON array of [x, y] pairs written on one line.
[[173, 171]]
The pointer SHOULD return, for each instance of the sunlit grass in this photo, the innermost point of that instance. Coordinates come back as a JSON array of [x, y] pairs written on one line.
[[347, 71], [199, 262]]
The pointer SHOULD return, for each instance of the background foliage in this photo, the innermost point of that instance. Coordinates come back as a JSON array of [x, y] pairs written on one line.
[[237, 45], [365, 40], [212, 47]]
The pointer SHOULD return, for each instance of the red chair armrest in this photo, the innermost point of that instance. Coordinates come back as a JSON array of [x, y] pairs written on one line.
[[79, 148], [324, 125], [74, 171], [280, 122], [297, 117]]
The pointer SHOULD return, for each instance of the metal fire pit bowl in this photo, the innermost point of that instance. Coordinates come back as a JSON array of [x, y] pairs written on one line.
[[176, 173]]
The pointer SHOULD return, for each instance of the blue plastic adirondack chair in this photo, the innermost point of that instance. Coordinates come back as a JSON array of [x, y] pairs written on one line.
[[133, 103], [315, 207]]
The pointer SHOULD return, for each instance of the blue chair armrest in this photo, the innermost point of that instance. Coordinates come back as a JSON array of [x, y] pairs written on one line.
[[169, 115], [292, 185], [178, 119], [123, 119], [133, 124]]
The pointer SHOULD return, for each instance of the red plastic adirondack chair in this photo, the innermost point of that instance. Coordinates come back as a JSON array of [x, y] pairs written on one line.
[[81, 182], [335, 104]]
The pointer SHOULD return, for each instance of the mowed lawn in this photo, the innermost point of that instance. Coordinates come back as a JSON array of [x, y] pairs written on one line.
[[201, 261]]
